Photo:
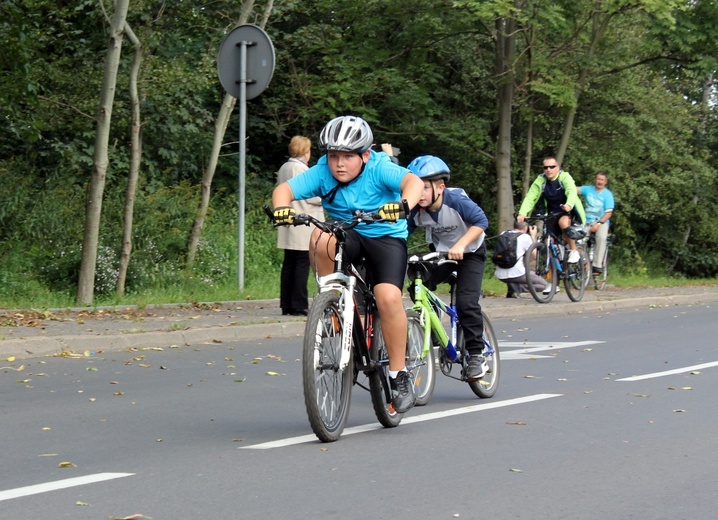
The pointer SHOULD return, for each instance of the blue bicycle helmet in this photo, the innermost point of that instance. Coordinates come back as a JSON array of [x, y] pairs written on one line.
[[429, 168]]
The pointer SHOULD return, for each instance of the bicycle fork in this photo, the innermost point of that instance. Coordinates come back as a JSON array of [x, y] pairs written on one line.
[[345, 286]]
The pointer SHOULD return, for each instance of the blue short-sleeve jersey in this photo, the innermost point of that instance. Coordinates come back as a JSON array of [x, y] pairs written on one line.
[[379, 183], [597, 202]]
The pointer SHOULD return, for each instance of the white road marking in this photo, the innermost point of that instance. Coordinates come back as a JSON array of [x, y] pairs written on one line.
[[407, 420], [526, 349], [670, 372], [59, 484]]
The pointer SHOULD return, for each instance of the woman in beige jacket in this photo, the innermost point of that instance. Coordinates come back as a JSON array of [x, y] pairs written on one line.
[[293, 297]]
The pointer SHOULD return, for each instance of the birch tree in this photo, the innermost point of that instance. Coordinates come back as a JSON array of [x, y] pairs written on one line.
[[86, 279]]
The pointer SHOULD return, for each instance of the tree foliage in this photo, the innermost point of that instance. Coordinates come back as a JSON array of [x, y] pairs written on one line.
[[422, 72]]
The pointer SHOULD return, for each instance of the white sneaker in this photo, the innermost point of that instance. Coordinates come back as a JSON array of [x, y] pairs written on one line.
[[548, 290], [574, 257]]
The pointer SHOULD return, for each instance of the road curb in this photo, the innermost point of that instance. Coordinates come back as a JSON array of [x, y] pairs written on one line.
[[494, 308]]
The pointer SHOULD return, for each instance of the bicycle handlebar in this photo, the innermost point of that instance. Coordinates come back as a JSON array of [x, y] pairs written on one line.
[[434, 257], [544, 216], [333, 226]]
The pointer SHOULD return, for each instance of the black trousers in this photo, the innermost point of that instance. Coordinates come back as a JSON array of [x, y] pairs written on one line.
[[470, 274], [293, 282]]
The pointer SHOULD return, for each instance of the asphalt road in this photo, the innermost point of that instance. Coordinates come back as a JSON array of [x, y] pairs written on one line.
[[598, 415]]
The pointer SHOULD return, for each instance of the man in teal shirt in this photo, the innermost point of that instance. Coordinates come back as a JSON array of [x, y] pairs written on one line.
[[599, 208]]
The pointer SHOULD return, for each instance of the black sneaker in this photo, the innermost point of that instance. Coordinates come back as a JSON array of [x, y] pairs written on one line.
[[402, 392], [476, 367]]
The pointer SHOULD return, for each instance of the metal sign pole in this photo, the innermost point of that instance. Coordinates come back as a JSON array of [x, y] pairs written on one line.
[[242, 154], [233, 74]]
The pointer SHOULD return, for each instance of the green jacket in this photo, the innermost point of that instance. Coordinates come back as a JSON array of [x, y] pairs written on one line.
[[536, 192]]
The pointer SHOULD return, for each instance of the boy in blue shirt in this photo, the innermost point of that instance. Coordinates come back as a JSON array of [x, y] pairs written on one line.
[[350, 177], [455, 224], [599, 208]]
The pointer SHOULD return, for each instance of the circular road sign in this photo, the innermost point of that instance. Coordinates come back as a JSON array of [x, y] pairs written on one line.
[[260, 60]]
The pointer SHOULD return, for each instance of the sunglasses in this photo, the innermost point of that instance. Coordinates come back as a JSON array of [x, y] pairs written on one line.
[[550, 167]]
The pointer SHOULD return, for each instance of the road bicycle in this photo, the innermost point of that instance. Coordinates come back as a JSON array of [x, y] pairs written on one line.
[[599, 279], [427, 333], [343, 344], [548, 258]]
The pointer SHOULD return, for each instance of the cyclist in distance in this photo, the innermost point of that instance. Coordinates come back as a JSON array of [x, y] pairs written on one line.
[[349, 177], [555, 191], [599, 209], [455, 224]]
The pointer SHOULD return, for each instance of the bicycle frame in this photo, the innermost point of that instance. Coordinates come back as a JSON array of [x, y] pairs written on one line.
[[430, 307], [337, 345], [555, 264]]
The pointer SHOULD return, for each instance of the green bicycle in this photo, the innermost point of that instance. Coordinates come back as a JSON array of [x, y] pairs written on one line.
[[426, 332]]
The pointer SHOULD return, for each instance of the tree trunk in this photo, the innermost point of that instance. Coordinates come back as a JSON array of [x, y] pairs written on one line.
[[526, 179], [220, 128], [505, 54], [86, 279], [135, 159]]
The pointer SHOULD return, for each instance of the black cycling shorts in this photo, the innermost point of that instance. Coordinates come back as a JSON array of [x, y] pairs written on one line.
[[384, 257], [552, 223]]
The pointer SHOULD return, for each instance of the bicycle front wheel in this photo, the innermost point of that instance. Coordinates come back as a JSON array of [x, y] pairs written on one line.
[[599, 279], [487, 385], [577, 277], [327, 389], [379, 381], [423, 367], [542, 265]]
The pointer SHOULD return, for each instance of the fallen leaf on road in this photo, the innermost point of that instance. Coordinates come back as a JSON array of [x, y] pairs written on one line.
[[66, 465], [515, 470], [272, 373]]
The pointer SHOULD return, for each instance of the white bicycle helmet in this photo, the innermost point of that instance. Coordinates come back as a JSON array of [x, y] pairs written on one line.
[[575, 232], [346, 134]]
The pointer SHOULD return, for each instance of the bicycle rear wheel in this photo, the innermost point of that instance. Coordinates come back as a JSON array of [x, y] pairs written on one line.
[[577, 277], [544, 268], [599, 280], [327, 389], [487, 385], [379, 381], [423, 367]]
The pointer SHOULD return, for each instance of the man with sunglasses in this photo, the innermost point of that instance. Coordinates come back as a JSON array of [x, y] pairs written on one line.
[[555, 192]]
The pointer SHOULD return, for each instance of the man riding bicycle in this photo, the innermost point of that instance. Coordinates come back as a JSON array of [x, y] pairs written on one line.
[[556, 190], [599, 209], [349, 177]]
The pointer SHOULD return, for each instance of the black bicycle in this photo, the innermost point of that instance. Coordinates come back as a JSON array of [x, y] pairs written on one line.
[[548, 258], [342, 344]]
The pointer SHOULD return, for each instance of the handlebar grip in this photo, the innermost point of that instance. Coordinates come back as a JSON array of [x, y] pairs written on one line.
[[405, 208], [268, 211]]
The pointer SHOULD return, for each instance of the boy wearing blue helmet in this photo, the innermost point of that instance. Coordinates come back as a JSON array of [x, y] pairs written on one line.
[[455, 224]]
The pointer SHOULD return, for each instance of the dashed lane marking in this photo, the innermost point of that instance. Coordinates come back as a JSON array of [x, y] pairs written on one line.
[[407, 420], [670, 372], [59, 484]]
